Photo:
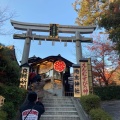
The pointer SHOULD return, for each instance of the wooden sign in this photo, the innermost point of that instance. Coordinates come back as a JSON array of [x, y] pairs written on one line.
[[24, 77], [1, 100], [84, 77], [76, 76]]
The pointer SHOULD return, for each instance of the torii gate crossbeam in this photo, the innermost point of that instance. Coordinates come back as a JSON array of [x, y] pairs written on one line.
[[30, 27], [45, 27]]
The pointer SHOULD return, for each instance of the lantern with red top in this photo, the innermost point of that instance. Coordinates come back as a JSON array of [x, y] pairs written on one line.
[[59, 66]]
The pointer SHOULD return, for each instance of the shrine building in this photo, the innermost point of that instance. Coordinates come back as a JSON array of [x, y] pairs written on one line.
[[55, 68]]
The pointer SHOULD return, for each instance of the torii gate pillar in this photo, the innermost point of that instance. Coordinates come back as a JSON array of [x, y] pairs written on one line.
[[78, 47], [26, 49]]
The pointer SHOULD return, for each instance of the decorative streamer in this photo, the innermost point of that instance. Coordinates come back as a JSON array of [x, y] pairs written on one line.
[[39, 42]]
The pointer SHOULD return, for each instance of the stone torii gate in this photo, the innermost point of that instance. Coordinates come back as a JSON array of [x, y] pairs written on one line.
[[33, 27]]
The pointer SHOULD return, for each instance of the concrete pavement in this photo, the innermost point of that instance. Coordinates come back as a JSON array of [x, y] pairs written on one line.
[[113, 108]]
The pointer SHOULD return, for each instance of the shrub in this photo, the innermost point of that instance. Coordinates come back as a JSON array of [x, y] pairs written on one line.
[[99, 114], [3, 115], [14, 97], [14, 94], [1, 89], [8, 107], [90, 102], [107, 92]]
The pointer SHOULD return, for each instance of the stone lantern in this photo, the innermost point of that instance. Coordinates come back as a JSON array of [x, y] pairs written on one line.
[[1, 100]]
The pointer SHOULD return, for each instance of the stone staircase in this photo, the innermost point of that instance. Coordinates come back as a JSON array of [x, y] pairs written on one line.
[[59, 108]]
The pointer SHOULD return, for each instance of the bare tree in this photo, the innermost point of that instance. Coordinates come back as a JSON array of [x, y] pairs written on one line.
[[5, 15]]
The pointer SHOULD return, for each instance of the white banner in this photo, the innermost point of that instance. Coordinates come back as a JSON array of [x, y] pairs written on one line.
[[76, 74], [84, 78]]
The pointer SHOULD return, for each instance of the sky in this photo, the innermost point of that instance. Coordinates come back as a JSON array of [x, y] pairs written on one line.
[[43, 12]]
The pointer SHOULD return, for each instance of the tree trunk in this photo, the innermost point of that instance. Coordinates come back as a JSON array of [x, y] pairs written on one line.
[[106, 83]]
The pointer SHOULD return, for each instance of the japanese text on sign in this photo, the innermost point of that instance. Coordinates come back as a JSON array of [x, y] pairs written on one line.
[[24, 77], [84, 78], [77, 91]]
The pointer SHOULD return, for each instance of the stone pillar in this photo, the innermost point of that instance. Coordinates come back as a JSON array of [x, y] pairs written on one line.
[[78, 47], [26, 47]]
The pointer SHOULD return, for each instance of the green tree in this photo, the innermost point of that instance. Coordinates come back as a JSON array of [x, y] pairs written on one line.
[[89, 11], [9, 68], [110, 20], [104, 13]]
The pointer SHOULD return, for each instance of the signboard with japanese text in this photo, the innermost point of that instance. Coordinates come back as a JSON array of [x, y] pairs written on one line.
[[76, 76], [24, 77], [90, 77], [84, 78]]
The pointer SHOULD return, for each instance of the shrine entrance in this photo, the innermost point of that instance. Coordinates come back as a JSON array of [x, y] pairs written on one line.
[[55, 70], [54, 30]]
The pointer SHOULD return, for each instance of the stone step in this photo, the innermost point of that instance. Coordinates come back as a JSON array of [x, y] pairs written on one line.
[[60, 108], [59, 117], [59, 104], [56, 100], [61, 113]]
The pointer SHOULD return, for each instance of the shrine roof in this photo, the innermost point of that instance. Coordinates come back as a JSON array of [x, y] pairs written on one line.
[[34, 59], [53, 59]]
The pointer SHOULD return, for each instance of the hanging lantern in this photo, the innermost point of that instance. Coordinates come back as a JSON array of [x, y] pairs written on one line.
[[59, 66]]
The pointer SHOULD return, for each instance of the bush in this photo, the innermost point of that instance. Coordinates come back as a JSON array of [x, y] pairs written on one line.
[[8, 107], [14, 97], [14, 94], [90, 102], [99, 114], [3, 115], [107, 92], [1, 89]]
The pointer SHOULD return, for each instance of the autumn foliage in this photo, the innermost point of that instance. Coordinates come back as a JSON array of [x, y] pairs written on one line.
[[104, 59]]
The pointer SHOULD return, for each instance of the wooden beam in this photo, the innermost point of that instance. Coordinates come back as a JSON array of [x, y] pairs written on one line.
[[47, 38]]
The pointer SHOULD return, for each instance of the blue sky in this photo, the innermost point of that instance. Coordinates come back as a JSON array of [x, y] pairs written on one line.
[[44, 12]]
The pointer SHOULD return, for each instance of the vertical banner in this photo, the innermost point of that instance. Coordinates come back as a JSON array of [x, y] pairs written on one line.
[[24, 77], [90, 77], [76, 76], [84, 77]]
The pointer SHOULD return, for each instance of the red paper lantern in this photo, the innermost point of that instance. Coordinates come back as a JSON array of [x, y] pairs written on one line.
[[59, 66]]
